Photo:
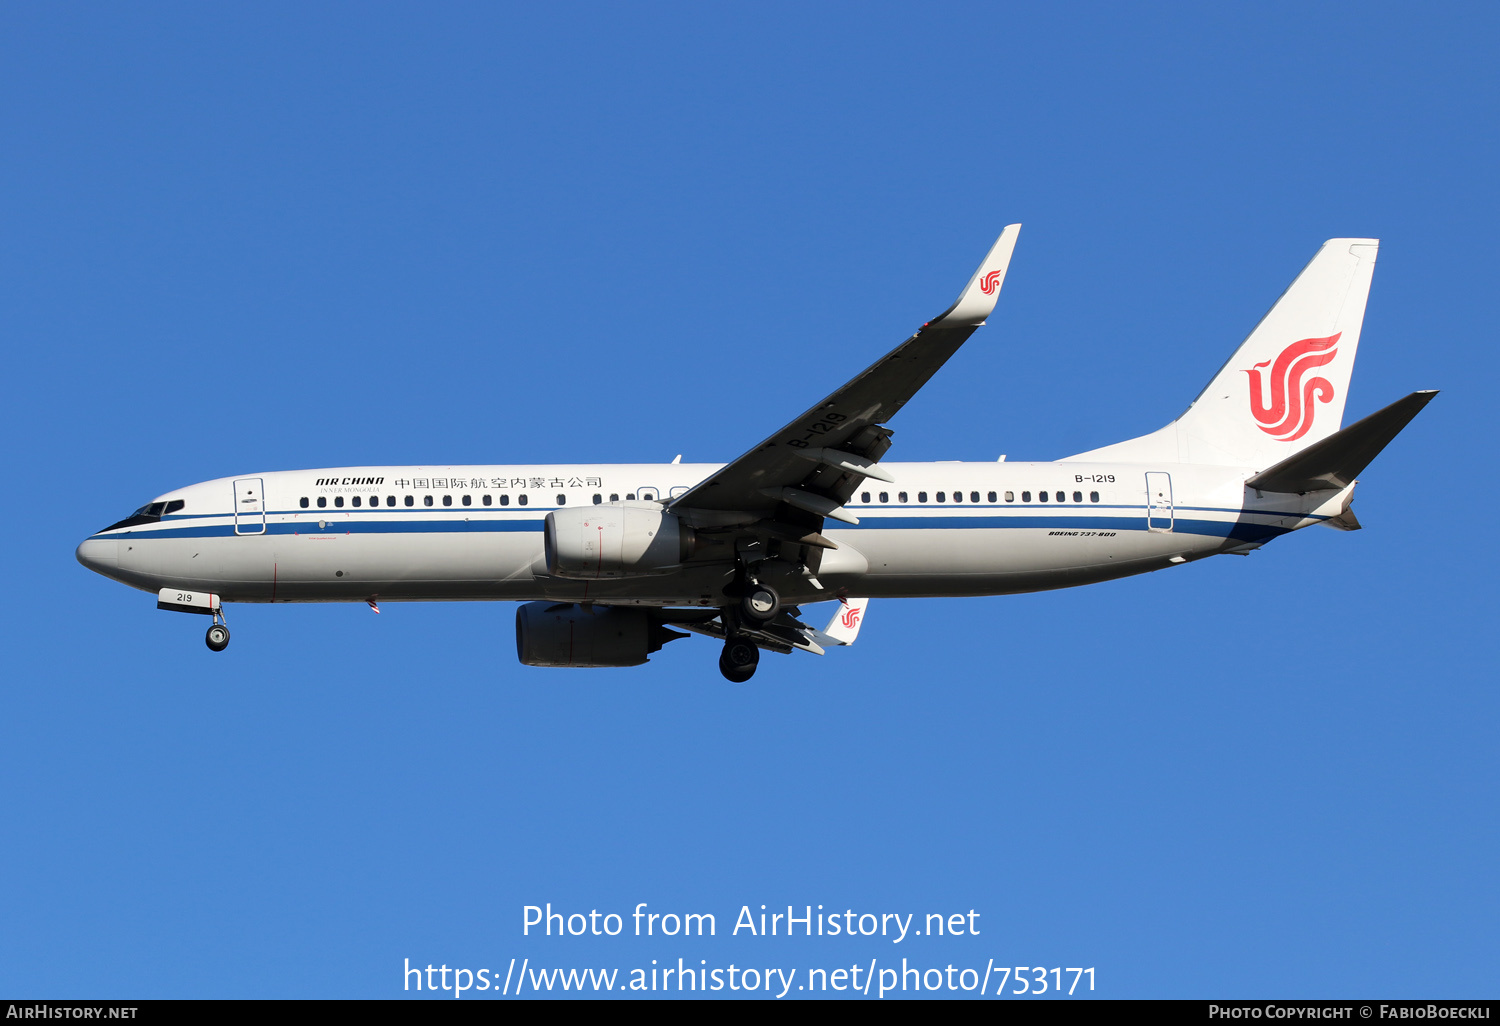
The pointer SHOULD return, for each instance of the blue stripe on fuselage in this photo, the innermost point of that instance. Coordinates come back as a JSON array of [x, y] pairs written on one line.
[[1009, 521], [350, 527]]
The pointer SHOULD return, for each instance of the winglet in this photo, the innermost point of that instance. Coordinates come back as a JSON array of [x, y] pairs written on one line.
[[844, 627], [977, 301]]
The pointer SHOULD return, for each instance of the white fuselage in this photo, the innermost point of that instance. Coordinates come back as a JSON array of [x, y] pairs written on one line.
[[469, 533]]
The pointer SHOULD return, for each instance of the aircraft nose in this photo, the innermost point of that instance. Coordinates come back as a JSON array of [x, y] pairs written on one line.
[[99, 554]]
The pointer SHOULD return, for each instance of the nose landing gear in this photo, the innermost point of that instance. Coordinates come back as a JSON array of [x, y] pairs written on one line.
[[217, 638], [738, 660]]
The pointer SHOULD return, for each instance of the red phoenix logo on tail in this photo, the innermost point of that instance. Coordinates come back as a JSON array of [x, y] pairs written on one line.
[[1289, 414], [850, 617], [989, 283]]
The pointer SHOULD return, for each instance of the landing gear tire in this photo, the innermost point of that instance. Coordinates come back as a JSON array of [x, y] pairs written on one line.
[[217, 638], [738, 661], [761, 603]]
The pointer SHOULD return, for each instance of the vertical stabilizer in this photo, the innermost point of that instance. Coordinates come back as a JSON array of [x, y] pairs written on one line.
[[1285, 387]]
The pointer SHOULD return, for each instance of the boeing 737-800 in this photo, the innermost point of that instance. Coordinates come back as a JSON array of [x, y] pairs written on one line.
[[614, 561]]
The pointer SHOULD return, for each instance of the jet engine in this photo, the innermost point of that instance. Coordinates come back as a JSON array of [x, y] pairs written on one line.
[[561, 634], [588, 543]]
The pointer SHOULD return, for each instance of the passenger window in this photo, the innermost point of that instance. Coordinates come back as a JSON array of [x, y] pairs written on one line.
[[427, 500], [1093, 496], [921, 496], [1025, 496], [488, 500], [900, 496], [992, 497], [1077, 496], [447, 500], [614, 496], [1010, 496], [598, 498], [338, 500], [505, 500], [630, 496], [864, 496], [522, 500], [322, 501], [354, 501], [885, 496], [411, 500], [974, 496], [468, 500], [940, 496], [390, 500], [562, 500], [958, 496], [302, 502]]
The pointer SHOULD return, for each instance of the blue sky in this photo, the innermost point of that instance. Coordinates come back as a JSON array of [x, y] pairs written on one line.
[[273, 237]]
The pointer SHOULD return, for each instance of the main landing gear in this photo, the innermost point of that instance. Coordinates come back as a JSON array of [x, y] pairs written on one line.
[[760, 603], [217, 638], [738, 660]]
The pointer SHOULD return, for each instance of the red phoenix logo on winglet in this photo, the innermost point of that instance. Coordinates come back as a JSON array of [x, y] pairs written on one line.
[[1289, 414], [989, 283], [850, 617]]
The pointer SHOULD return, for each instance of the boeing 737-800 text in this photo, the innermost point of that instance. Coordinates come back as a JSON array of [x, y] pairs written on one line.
[[614, 561]]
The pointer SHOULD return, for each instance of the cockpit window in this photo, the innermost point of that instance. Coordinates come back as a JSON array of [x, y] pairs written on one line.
[[147, 514]]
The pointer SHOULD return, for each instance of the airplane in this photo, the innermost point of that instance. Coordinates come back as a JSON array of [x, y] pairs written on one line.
[[611, 562]]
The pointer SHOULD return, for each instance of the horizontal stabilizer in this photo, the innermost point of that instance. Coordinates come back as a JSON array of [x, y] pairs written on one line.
[[1345, 521], [1338, 459]]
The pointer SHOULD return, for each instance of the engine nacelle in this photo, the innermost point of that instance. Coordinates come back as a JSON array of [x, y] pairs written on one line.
[[559, 634], [615, 540]]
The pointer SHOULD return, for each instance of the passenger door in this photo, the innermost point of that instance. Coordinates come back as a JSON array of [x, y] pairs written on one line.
[[249, 506], [1159, 511]]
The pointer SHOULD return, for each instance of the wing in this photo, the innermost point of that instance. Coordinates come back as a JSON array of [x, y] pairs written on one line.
[[810, 468]]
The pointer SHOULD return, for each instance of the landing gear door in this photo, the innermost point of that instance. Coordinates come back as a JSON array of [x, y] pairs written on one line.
[[249, 506], [1158, 501]]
